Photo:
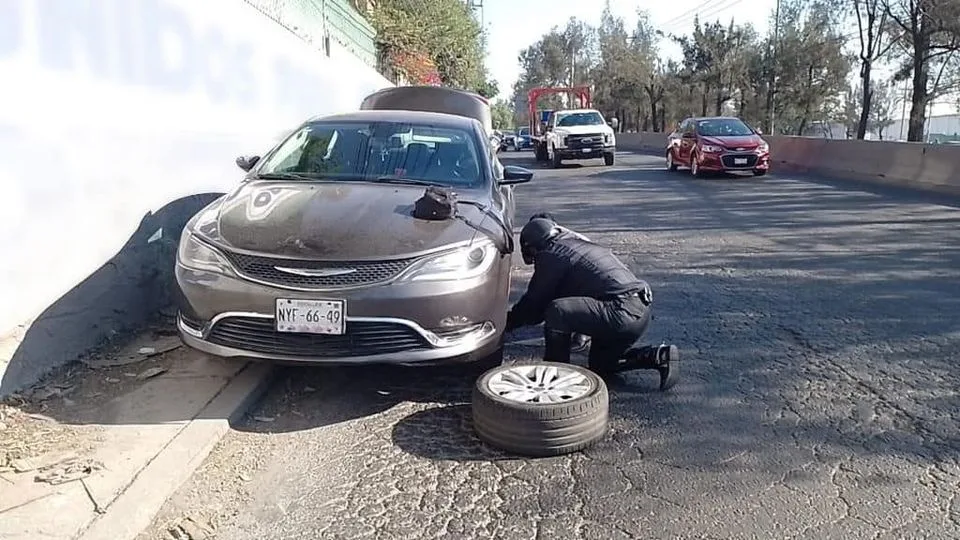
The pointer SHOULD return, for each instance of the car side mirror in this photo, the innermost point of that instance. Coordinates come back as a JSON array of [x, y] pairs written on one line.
[[758, 131], [516, 175], [247, 162]]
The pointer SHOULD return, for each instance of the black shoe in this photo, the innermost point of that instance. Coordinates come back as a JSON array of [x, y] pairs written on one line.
[[667, 357], [580, 343]]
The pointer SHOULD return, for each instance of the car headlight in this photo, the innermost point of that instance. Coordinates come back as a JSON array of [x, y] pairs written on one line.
[[764, 147], [608, 138], [711, 149], [195, 254], [462, 263]]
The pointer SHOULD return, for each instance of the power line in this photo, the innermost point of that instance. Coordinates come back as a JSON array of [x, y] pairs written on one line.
[[713, 11], [687, 13]]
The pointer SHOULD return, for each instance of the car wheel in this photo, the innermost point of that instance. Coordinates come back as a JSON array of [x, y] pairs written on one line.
[[759, 172], [557, 162], [608, 159], [540, 409], [671, 165]]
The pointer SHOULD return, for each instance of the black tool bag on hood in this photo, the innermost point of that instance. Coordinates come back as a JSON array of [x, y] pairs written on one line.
[[436, 204]]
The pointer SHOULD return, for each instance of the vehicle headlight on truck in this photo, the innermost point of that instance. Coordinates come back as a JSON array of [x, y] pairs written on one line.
[[195, 254], [608, 139], [462, 263]]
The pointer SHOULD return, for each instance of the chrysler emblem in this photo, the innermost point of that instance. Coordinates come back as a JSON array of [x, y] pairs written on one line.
[[318, 272]]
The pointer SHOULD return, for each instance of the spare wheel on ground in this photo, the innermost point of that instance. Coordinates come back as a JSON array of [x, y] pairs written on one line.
[[540, 409]]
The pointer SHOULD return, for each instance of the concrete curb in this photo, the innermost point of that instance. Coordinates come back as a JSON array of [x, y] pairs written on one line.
[[135, 508]]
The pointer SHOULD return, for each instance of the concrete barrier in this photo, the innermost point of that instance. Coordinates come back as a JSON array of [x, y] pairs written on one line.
[[125, 119], [921, 166]]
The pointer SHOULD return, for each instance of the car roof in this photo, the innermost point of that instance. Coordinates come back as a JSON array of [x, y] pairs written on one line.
[[698, 118], [569, 111], [432, 118]]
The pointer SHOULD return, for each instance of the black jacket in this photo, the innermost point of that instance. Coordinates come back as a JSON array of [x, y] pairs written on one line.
[[567, 267]]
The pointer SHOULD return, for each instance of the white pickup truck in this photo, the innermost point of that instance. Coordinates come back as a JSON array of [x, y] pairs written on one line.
[[577, 134]]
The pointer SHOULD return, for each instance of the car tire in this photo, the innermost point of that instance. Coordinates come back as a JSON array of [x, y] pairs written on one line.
[[540, 429], [671, 164], [608, 159], [557, 161], [759, 172]]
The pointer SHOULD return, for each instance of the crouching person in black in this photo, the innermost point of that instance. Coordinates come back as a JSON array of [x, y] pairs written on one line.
[[581, 287]]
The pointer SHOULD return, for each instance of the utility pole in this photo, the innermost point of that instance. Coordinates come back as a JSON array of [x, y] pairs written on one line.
[[773, 83]]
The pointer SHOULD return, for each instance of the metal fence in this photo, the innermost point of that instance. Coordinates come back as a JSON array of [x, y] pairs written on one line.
[[316, 21]]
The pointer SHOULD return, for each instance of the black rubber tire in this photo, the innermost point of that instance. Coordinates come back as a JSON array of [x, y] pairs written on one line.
[[608, 159], [541, 430], [672, 163], [759, 172], [555, 159]]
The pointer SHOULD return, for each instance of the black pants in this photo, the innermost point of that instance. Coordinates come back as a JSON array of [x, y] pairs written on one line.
[[614, 325]]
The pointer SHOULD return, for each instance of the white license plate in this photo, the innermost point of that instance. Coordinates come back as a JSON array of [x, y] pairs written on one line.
[[587, 150], [740, 161], [311, 316]]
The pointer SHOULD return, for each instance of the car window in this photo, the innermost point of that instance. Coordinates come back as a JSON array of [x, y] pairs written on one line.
[[370, 150], [524, 131], [580, 119], [723, 127]]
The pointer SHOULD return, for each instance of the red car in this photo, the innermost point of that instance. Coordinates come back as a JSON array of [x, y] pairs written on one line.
[[717, 144]]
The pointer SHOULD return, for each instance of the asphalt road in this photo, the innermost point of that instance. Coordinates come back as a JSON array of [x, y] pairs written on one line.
[[819, 324]]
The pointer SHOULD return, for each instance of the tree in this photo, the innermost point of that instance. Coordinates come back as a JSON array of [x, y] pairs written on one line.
[[502, 113], [449, 42], [929, 37], [872, 29]]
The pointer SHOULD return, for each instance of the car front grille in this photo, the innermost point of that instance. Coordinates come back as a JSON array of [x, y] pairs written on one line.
[[258, 335], [730, 163], [341, 273], [592, 140]]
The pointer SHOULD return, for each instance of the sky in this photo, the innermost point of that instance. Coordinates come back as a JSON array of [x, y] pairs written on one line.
[[514, 25]]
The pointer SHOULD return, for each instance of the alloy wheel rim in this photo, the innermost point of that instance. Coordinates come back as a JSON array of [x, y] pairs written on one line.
[[536, 383]]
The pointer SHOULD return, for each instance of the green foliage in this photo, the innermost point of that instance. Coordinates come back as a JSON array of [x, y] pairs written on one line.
[[445, 30], [502, 113]]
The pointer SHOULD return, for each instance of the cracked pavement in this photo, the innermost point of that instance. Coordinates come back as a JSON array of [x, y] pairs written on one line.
[[819, 324]]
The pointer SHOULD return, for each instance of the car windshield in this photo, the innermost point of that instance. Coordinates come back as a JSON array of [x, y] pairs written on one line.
[[378, 151], [524, 131], [723, 127], [580, 119]]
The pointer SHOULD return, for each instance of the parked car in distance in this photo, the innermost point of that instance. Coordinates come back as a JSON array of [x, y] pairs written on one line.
[[717, 144], [316, 256], [507, 141], [522, 140]]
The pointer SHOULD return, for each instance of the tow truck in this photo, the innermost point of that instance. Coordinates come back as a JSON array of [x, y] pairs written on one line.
[[576, 133]]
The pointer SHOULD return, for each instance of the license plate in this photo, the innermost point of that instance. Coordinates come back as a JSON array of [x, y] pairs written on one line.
[[740, 161], [311, 316], [587, 150]]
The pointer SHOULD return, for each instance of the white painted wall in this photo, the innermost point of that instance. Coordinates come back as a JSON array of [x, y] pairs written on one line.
[[109, 109]]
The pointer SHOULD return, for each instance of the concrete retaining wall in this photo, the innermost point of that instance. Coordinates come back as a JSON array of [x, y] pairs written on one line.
[[118, 121], [921, 166]]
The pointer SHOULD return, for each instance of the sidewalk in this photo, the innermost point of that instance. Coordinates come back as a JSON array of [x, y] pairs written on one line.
[[95, 450]]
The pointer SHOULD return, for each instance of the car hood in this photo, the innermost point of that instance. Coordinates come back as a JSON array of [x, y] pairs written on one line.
[[583, 130], [747, 142], [335, 221]]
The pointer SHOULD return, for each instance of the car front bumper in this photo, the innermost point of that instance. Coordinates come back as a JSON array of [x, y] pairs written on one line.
[[734, 161], [406, 323], [588, 152]]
